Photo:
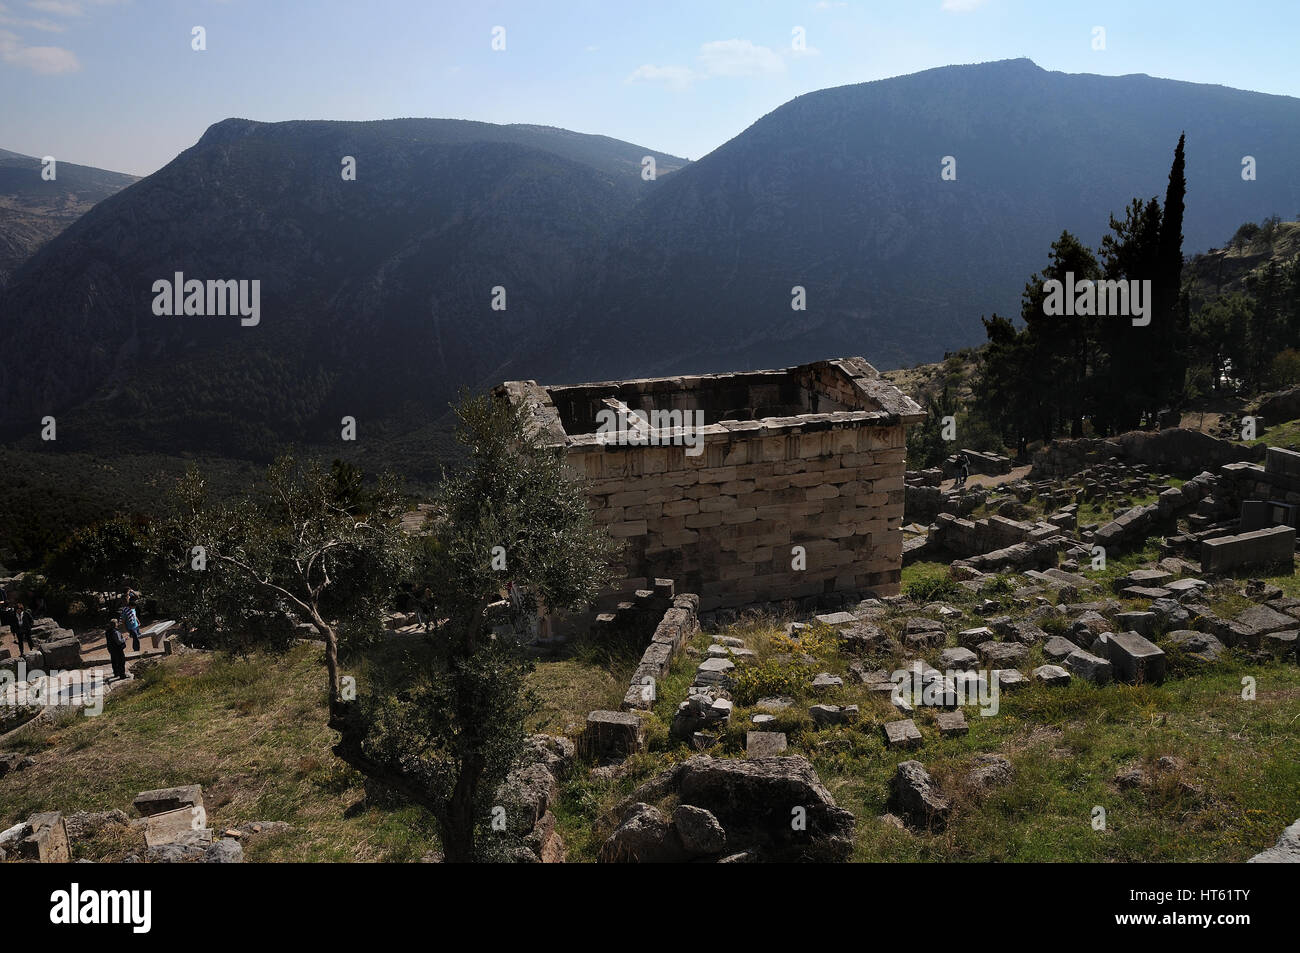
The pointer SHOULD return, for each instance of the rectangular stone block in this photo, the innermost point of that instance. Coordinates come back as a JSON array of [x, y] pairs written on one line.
[[162, 800], [1256, 548], [612, 734], [1134, 658]]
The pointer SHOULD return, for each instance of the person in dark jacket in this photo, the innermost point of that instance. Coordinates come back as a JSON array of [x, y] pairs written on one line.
[[116, 646], [23, 630]]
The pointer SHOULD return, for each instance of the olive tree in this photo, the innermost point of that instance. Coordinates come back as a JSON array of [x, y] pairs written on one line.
[[512, 519], [307, 549]]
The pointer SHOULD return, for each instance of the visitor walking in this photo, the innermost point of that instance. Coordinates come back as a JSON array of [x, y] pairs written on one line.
[[132, 623]]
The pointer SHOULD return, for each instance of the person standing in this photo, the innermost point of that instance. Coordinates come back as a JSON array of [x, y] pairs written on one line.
[[116, 646], [132, 623], [23, 630]]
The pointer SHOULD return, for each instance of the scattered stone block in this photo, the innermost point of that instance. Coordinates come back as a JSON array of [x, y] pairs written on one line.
[[715, 671], [959, 657], [612, 734], [971, 638], [824, 715], [825, 681], [1201, 646], [902, 734], [11, 762], [1280, 645], [700, 833], [62, 654], [915, 797], [1058, 648], [148, 803], [1089, 667], [1285, 851], [1052, 675], [183, 825], [951, 724], [641, 837], [1003, 654], [223, 852], [1143, 623], [1143, 577], [45, 839], [990, 770], [1261, 620], [765, 744], [1009, 679], [837, 620], [1134, 658]]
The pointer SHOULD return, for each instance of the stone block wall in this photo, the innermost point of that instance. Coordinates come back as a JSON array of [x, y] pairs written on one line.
[[725, 523], [1261, 547], [1174, 451]]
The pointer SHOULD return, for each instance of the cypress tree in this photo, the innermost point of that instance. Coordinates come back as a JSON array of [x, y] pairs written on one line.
[[1171, 318]]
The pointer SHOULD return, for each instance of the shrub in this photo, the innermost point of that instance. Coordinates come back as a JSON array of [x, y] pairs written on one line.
[[771, 677], [931, 586]]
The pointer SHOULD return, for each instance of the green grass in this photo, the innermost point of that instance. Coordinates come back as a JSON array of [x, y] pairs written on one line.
[[1236, 789], [1281, 435], [252, 732]]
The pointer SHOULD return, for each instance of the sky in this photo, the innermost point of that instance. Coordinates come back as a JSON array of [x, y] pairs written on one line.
[[118, 84]]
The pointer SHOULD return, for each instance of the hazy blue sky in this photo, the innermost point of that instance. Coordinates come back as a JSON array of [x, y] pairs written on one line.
[[116, 84]]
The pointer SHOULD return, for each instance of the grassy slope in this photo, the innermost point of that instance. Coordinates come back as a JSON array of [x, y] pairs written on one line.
[[253, 733], [1237, 788]]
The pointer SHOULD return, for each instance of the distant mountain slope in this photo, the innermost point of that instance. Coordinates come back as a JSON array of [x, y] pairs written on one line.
[[840, 191], [375, 293], [34, 210]]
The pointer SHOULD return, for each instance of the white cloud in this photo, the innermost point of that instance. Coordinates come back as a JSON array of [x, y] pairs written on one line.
[[716, 58], [69, 8], [47, 60], [738, 58], [674, 77], [7, 18], [60, 8], [962, 6]]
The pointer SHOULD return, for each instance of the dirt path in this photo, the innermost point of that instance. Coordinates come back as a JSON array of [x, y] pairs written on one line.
[[983, 479]]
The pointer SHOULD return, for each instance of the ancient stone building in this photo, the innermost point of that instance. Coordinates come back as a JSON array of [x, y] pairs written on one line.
[[761, 486]]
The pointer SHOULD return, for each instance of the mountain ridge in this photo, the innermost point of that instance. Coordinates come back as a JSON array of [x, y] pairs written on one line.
[[378, 292]]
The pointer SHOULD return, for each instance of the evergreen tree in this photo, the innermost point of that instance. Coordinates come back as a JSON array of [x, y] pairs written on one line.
[[1170, 320], [1124, 386]]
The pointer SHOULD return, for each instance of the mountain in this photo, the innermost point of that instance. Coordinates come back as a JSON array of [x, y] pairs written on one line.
[[376, 293], [33, 210], [840, 191]]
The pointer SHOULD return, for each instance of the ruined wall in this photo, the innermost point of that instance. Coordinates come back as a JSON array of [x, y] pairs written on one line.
[[723, 523], [1173, 450]]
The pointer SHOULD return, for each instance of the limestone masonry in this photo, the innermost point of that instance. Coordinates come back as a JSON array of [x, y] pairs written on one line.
[[809, 456]]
